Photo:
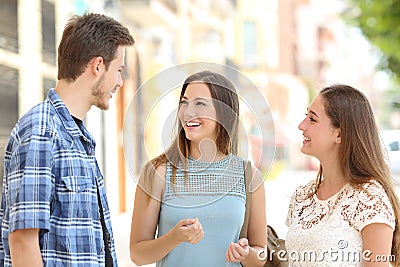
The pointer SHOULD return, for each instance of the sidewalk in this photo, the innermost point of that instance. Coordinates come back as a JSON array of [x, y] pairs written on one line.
[[122, 231]]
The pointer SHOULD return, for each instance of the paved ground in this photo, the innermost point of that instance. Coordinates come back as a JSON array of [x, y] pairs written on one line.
[[278, 193]]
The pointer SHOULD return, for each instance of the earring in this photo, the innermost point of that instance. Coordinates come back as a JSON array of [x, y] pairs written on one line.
[[337, 140]]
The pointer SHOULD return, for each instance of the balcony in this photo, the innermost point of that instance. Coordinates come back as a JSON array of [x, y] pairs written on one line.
[[150, 13]]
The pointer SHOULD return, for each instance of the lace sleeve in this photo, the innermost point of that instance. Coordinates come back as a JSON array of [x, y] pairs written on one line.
[[297, 200], [290, 211], [373, 206]]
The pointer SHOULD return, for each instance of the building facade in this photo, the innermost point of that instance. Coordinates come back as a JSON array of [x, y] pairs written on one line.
[[29, 36]]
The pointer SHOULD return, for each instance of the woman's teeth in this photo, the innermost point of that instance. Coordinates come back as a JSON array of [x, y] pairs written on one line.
[[192, 124]]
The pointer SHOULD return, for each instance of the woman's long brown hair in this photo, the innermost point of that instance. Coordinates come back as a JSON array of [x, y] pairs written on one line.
[[361, 155], [226, 103]]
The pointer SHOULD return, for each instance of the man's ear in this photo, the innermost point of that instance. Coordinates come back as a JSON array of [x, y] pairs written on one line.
[[95, 64]]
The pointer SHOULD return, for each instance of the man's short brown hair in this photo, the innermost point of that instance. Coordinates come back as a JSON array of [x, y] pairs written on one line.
[[88, 36]]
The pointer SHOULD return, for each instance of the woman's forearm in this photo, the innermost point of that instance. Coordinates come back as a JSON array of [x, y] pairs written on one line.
[[150, 251], [253, 259]]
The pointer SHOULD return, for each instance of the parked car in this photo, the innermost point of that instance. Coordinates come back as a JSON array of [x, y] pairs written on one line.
[[391, 141]]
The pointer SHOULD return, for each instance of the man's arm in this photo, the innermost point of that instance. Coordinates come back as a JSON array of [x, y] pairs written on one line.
[[24, 248]]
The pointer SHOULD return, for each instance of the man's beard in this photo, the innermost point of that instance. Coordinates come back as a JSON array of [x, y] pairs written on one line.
[[101, 96]]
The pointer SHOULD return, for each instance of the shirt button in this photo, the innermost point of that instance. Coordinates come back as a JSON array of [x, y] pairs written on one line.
[[79, 188]]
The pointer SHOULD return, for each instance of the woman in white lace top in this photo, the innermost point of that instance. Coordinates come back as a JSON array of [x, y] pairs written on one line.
[[349, 216]]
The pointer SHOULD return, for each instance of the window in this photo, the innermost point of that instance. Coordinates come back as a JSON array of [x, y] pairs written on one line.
[[8, 108], [394, 146], [48, 33], [8, 22], [47, 85], [250, 44], [8, 99]]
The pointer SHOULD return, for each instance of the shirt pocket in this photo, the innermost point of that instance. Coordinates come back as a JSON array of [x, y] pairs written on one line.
[[77, 184], [77, 197]]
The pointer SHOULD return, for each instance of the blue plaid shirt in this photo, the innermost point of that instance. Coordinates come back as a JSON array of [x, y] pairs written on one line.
[[51, 179]]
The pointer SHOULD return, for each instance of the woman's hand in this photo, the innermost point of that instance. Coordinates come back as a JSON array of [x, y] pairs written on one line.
[[188, 230], [237, 252]]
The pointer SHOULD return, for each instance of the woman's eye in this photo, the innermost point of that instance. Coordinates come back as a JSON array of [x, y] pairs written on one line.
[[200, 104], [183, 102], [310, 117]]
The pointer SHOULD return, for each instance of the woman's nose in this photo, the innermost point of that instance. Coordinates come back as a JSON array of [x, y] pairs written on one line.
[[301, 125], [190, 110]]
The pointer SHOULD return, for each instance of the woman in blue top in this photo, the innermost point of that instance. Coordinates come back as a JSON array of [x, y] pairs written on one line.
[[193, 195]]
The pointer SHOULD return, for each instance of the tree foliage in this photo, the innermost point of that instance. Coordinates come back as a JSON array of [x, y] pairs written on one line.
[[379, 22]]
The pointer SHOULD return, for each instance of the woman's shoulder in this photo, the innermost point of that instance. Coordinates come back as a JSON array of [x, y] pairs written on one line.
[[310, 185], [153, 176], [374, 187], [304, 191], [370, 190], [372, 194], [368, 204], [154, 165], [301, 197], [366, 196]]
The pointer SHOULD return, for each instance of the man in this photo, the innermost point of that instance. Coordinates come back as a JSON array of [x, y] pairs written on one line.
[[54, 209]]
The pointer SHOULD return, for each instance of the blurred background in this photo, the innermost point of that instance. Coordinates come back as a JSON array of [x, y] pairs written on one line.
[[289, 49]]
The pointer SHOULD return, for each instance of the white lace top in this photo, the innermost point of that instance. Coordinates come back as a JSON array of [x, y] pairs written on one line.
[[328, 232]]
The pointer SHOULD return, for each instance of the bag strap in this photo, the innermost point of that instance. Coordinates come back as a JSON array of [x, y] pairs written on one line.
[[247, 177]]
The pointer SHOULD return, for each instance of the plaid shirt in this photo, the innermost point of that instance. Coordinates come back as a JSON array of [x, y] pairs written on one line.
[[51, 179]]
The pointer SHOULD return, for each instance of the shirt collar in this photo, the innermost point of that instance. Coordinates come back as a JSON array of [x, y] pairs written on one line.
[[66, 117]]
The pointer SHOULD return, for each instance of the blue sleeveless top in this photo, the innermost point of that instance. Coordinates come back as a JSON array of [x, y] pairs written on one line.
[[215, 194]]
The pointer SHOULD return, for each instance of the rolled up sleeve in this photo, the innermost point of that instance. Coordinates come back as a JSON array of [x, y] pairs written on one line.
[[30, 184]]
